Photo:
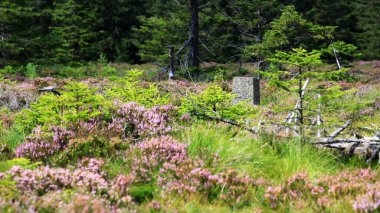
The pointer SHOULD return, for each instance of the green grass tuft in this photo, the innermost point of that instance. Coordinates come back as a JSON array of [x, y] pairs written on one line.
[[268, 157]]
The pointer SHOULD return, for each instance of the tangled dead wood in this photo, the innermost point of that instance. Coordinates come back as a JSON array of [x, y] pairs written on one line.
[[368, 147]]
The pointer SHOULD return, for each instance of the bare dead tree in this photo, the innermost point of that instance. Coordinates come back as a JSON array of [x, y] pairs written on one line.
[[172, 62]]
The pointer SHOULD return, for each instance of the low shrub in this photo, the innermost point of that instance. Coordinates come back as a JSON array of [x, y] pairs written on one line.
[[131, 89], [78, 102], [358, 187], [216, 102]]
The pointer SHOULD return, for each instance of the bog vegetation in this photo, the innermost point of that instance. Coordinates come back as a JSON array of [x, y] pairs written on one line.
[[101, 136]]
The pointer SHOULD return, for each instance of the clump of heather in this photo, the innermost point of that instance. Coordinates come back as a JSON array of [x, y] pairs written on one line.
[[152, 154], [228, 186], [360, 187], [165, 160], [369, 201], [86, 203], [40, 145], [119, 192], [46, 179], [135, 119]]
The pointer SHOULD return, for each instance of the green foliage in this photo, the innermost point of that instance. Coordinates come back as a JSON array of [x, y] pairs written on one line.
[[270, 157], [72, 31], [31, 70], [345, 52], [74, 38], [81, 148], [289, 31], [129, 88], [368, 28], [156, 34], [22, 162], [7, 70], [13, 137], [298, 59], [8, 191], [102, 59], [214, 101], [78, 103], [143, 192]]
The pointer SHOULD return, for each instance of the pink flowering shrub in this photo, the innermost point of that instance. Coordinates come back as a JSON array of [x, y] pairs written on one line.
[[370, 200], [360, 187], [86, 204], [152, 154], [142, 121], [40, 144], [228, 186], [166, 160], [45, 179], [97, 192], [119, 191]]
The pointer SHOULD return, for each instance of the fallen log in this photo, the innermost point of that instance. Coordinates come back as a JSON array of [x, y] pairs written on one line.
[[368, 147], [348, 140], [338, 131], [373, 155]]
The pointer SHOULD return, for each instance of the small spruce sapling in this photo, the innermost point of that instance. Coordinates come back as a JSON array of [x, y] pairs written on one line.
[[299, 61], [131, 89]]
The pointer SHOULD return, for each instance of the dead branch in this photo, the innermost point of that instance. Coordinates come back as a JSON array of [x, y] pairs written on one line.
[[373, 155], [226, 121], [338, 131]]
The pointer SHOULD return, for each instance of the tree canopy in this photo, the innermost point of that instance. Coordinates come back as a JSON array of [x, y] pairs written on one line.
[[74, 31]]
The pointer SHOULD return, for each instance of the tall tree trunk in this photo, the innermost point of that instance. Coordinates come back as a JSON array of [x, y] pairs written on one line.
[[47, 18], [194, 35]]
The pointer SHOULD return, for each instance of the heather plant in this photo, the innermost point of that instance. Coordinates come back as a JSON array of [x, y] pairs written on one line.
[[228, 186], [44, 179], [83, 147], [139, 121], [357, 187], [87, 203], [40, 144], [166, 161], [152, 154], [131, 89]]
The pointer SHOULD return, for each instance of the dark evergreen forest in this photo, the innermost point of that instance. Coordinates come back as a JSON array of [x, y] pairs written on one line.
[[139, 31]]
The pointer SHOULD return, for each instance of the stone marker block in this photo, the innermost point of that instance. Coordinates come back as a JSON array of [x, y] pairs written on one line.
[[246, 88]]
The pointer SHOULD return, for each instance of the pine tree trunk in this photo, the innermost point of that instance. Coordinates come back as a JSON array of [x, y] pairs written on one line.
[[194, 36], [47, 18]]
